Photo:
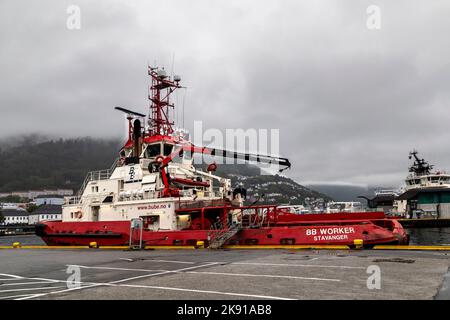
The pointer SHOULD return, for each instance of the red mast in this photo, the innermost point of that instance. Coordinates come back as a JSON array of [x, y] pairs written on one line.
[[160, 90]]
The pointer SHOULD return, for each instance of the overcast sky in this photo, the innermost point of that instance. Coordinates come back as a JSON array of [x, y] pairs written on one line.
[[350, 102]]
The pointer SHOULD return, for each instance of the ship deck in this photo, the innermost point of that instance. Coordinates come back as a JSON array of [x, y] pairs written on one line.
[[223, 274]]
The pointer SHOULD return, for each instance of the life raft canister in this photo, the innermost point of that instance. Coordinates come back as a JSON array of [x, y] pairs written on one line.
[[212, 167]]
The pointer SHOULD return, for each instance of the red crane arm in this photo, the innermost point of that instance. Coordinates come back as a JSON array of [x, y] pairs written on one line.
[[188, 147], [228, 154]]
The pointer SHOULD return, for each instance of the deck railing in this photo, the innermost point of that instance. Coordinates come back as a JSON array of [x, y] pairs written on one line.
[[97, 175]]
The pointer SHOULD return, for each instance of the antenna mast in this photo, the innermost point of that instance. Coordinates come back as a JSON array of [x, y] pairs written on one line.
[[161, 88]]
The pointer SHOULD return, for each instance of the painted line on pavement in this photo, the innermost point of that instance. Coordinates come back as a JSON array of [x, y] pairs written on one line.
[[237, 294], [16, 296], [114, 282], [261, 275], [295, 265], [23, 283], [169, 261], [28, 289], [212, 273], [114, 268]]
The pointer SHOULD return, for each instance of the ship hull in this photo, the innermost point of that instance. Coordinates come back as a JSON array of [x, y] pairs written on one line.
[[331, 232]]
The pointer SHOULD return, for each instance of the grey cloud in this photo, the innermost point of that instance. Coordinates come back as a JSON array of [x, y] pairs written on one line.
[[349, 102]]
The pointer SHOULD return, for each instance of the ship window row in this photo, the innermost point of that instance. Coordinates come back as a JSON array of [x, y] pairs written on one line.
[[49, 216], [433, 179], [125, 153], [16, 218], [154, 150], [437, 179], [413, 181]]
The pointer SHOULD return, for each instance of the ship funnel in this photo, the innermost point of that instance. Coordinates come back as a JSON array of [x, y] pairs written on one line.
[[137, 129]]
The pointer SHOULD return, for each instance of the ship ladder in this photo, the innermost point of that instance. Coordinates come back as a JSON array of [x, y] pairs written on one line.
[[218, 238]]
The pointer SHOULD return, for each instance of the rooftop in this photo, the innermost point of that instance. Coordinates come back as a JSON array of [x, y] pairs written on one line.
[[46, 196], [48, 209], [14, 213]]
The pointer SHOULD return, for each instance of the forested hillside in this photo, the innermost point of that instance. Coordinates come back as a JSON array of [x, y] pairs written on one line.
[[32, 164], [59, 163]]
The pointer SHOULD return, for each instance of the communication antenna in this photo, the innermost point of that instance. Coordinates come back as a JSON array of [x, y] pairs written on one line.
[[177, 112], [184, 98], [173, 62], [171, 76]]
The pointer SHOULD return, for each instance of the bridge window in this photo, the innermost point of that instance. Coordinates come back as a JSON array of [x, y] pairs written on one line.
[[168, 149], [187, 155], [126, 152], [153, 150]]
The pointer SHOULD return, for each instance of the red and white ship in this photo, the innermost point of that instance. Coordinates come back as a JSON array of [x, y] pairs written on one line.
[[154, 196]]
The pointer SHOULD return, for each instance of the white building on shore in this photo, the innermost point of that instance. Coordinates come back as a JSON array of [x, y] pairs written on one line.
[[32, 194], [46, 212], [14, 217], [49, 199]]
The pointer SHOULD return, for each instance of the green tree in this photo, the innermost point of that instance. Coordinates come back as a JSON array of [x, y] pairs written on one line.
[[31, 207]]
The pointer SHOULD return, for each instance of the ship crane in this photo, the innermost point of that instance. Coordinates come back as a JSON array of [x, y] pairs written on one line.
[[162, 162]]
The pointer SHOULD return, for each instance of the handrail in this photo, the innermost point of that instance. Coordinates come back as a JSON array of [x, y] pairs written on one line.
[[217, 229], [100, 174]]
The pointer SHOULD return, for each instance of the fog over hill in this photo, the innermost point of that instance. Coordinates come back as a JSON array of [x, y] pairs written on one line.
[[35, 162], [347, 192]]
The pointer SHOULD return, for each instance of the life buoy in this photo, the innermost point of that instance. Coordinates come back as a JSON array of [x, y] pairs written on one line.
[[155, 165], [78, 214]]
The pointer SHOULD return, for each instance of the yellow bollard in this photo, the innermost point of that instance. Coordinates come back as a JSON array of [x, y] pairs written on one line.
[[358, 243], [17, 245], [93, 245], [200, 244]]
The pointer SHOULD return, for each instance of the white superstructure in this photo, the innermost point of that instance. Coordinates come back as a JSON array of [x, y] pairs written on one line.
[[130, 191]]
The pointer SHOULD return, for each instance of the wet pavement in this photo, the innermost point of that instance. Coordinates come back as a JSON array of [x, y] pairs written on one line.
[[223, 274]]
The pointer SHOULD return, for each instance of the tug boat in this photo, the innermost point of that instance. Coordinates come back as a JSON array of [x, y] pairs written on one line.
[[153, 195]]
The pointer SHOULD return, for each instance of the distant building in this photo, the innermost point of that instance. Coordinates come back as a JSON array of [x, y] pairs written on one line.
[[427, 201], [49, 199], [13, 205], [14, 216], [32, 194], [46, 212]]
